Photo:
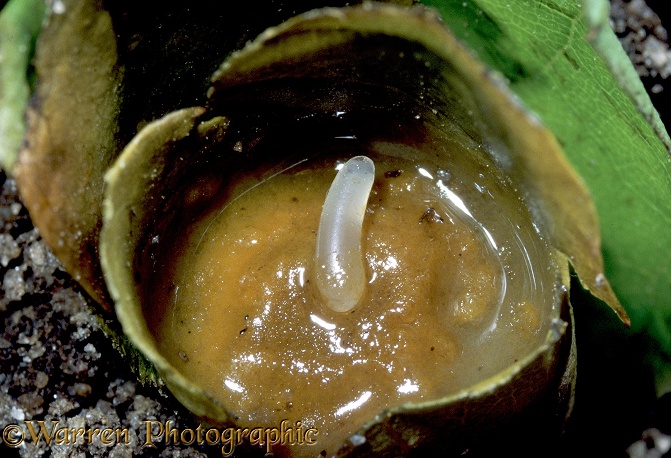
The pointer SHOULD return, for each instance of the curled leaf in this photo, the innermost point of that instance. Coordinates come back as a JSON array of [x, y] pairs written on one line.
[[381, 66]]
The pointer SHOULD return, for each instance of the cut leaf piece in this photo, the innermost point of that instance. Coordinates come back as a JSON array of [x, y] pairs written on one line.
[[20, 23]]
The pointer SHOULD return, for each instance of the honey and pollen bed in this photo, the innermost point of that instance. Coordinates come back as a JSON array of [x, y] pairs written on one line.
[[459, 287]]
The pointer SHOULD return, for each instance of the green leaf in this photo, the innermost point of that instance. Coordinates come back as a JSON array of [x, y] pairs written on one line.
[[20, 22], [567, 66]]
